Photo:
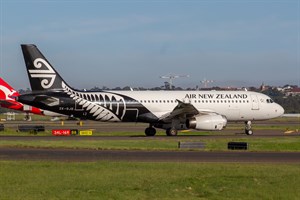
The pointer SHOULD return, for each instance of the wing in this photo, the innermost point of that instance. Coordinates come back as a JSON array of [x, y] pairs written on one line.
[[184, 111]]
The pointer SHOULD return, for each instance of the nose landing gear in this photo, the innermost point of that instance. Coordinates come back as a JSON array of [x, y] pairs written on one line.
[[171, 132], [248, 128]]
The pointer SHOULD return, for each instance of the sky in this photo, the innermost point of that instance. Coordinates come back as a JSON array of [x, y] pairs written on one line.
[[235, 43]]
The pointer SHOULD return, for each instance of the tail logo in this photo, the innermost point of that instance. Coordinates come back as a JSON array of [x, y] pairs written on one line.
[[47, 75], [6, 94]]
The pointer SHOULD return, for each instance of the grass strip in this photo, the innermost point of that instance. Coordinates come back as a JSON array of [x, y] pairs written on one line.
[[217, 144], [133, 180]]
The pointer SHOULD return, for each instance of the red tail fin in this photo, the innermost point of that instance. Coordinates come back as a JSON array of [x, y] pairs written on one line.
[[6, 91]]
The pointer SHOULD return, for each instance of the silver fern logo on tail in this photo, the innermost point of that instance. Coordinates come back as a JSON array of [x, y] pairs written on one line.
[[47, 75]]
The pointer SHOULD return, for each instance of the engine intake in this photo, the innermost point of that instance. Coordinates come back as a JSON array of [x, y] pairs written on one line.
[[207, 122]]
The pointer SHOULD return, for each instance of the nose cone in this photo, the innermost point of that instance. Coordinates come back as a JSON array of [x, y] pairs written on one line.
[[279, 110]]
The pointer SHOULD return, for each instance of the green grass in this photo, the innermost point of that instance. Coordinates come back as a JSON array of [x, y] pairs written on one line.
[[133, 180], [218, 144], [19, 116], [278, 124], [167, 143], [258, 144], [278, 127], [34, 180], [95, 144]]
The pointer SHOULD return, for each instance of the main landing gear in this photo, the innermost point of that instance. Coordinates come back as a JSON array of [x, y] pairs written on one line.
[[150, 131], [248, 129], [27, 117]]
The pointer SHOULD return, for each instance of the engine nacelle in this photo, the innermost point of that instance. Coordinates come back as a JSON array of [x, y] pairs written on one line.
[[207, 122]]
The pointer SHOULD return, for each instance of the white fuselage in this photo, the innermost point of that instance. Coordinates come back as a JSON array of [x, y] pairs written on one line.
[[235, 105]]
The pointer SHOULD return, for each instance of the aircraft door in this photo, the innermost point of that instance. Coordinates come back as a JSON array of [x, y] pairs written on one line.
[[255, 104]]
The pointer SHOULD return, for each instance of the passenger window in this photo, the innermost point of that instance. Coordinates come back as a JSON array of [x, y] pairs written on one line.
[[92, 98]]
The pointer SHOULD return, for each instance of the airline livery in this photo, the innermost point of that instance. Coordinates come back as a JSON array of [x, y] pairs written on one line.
[[169, 110], [8, 100]]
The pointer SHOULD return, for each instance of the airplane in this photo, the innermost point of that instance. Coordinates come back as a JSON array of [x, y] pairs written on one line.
[[8, 97], [169, 110]]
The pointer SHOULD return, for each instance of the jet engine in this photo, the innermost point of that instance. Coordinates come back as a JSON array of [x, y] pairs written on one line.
[[207, 122]]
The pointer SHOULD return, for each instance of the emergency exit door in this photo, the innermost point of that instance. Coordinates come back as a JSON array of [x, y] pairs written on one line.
[[255, 104]]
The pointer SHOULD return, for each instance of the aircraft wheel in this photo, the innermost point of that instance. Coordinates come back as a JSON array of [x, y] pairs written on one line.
[[248, 128], [27, 118], [150, 131], [249, 132], [171, 132]]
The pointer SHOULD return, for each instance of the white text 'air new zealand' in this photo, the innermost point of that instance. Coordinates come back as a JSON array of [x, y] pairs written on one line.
[[169, 110]]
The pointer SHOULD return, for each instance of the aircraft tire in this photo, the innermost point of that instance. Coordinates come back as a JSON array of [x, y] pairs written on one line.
[[171, 132], [249, 132], [248, 129], [150, 131]]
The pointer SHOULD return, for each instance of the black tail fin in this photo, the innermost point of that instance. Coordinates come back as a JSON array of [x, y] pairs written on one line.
[[41, 74]]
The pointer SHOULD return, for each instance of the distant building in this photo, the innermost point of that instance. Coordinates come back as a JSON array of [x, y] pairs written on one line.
[[264, 87], [293, 92]]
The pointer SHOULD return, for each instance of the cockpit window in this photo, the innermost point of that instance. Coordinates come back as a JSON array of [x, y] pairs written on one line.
[[270, 101]]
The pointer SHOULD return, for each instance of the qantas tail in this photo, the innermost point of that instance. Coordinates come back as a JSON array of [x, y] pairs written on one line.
[[8, 100], [6, 91], [41, 74]]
